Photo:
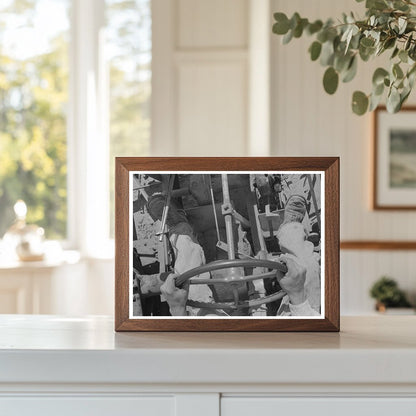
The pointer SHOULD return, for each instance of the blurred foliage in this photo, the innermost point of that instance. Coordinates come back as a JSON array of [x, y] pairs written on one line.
[[33, 106], [389, 27], [386, 291], [33, 97]]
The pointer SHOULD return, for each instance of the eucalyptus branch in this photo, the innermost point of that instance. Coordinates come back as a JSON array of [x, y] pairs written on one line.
[[389, 25]]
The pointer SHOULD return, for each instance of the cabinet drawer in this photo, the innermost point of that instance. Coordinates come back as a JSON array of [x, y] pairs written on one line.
[[87, 406], [273, 406]]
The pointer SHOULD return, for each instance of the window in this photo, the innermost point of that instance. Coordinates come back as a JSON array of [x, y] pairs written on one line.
[[33, 102], [75, 87]]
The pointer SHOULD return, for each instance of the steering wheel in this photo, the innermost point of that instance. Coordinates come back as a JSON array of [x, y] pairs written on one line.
[[234, 281]]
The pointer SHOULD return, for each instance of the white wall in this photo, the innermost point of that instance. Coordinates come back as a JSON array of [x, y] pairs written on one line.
[[86, 288], [204, 91], [308, 122]]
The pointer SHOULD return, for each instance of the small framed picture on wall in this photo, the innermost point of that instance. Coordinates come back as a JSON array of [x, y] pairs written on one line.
[[227, 244], [394, 177]]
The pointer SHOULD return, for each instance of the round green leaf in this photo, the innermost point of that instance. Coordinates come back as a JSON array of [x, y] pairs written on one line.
[[366, 53], [403, 96], [298, 30], [395, 52], [359, 103], [288, 37], [389, 43], [393, 101], [330, 80], [374, 102], [397, 71], [376, 4], [315, 50], [351, 71], [379, 75], [314, 27], [282, 25], [403, 56], [322, 36], [327, 54], [400, 5], [342, 61], [294, 20], [378, 90], [367, 42]]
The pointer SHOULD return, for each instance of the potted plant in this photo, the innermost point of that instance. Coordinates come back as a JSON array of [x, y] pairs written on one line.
[[387, 294]]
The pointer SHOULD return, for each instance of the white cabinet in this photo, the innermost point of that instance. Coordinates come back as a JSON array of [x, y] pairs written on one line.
[[325, 406], [202, 405], [79, 366], [88, 406]]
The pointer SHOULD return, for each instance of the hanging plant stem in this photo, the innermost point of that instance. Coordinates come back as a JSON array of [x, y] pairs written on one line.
[[389, 26]]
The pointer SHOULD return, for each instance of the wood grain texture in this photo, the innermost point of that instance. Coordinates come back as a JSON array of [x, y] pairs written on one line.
[[378, 245], [332, 226], [330, 165], [376, 205], [121, 244]]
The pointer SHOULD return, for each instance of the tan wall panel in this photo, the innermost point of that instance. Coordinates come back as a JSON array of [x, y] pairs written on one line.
[[212, 23], [212, 108]]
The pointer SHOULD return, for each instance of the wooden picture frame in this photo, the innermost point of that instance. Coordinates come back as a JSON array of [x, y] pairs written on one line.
[[390, 179], [323, 169]]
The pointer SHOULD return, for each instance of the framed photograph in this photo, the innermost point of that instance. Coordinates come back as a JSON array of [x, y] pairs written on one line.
[[394, 159], [227, 244]]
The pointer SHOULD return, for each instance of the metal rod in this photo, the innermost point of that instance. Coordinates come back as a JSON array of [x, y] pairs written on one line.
[[166, 207], [263, 246], [215, 211], [242, 304], [228, 218], [238, 217], [226, 264], [251, 278], [315, 203], [256, 214]]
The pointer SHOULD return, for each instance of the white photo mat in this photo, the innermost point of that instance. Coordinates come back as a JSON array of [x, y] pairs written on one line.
[[322, 243]]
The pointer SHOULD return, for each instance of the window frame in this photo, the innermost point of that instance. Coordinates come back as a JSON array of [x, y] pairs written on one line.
[[87, 133]]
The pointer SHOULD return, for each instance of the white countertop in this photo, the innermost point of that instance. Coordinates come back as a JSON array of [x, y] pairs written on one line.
[[52, 349]]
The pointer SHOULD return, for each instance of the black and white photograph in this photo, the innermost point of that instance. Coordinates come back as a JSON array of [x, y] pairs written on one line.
[[226, 244]]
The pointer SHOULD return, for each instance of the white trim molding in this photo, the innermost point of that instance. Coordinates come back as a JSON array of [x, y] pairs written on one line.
[[88, 161]]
